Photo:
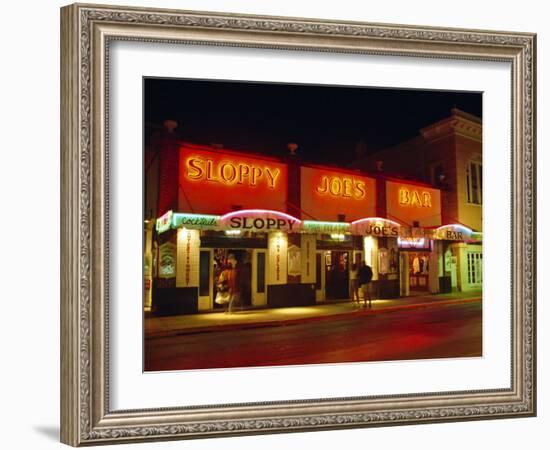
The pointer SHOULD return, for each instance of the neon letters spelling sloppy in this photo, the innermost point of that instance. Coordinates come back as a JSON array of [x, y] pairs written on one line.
[[230, 173]]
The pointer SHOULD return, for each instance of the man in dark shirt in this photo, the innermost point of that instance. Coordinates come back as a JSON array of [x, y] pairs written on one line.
[[365, 277]]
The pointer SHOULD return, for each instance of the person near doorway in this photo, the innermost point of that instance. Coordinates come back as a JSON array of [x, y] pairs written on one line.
[[365, 277], [231, 276], [222, 288], [354, 284]]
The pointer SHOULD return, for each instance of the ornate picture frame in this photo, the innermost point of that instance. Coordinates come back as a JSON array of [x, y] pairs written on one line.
[[87, 31]]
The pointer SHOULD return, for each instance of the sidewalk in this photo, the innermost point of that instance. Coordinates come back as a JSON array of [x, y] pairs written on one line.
[[256, 318]]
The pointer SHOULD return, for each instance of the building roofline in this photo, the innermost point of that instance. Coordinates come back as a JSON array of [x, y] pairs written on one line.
[[344, 170], [230, 151]]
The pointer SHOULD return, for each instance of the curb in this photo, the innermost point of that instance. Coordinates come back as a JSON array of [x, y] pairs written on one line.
[[290, 322]]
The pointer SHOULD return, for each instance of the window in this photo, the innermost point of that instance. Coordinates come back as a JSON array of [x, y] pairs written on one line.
[[437, 174], [474, 182], [475, 268]]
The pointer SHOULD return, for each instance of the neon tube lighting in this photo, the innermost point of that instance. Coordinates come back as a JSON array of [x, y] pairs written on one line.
[[369, 219], [455, 225], [313, 223]]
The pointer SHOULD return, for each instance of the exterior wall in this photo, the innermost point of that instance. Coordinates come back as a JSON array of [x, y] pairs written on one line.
[[151, 188], [468, 150], [168, 176], [419, 159], [396, 160], [441, 155], [445, 147]]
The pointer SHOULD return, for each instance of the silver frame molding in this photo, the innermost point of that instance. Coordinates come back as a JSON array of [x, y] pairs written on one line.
[[86, 32]]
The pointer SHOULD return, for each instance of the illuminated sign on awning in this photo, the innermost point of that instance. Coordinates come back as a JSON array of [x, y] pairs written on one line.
[[313, 226], [196, 221], [260, 220], [375, 226], [456, 232]]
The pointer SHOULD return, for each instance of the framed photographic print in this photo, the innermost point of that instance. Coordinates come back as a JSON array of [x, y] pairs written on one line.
[[260, 213]]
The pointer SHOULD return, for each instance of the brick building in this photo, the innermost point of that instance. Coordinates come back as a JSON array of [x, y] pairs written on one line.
[[448, 155]]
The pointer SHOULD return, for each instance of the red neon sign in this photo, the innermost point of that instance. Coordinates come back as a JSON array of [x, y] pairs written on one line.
[[410, 203], [342, 186], [230, 172], [216, 181], [329, 194]]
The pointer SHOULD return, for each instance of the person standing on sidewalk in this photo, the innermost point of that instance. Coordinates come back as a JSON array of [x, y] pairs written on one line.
[[365, 277], [354, 284]]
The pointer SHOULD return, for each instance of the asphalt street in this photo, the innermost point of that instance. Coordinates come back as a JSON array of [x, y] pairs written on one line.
[[439, 331]]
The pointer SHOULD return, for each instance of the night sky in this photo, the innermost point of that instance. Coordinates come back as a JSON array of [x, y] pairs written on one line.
[[325, 121]]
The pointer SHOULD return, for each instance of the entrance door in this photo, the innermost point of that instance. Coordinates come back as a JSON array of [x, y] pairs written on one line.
[[239, 263], [337, 275], [419, 272]]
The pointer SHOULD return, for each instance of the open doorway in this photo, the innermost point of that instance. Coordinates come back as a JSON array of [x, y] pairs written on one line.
[[419, 273], [233, 271], [337, 275]]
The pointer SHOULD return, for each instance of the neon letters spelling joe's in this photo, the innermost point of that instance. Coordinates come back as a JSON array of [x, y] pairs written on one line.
[[229, 172], [346, 187]]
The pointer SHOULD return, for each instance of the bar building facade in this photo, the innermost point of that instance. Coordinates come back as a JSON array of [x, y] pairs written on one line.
[[448, 155], [293, 230]]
